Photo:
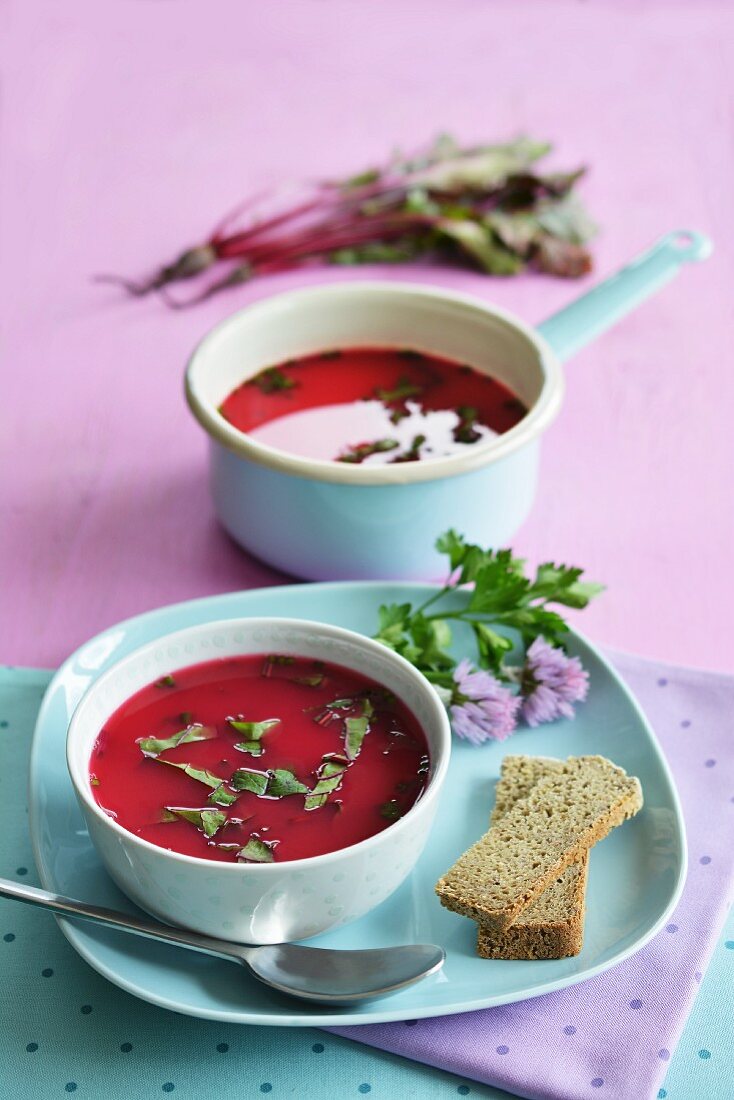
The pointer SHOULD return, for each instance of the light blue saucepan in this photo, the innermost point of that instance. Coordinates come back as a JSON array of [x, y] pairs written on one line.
[[328, 520]]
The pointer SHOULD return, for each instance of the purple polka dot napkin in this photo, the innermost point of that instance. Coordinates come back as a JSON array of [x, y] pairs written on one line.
[[613, 1035]]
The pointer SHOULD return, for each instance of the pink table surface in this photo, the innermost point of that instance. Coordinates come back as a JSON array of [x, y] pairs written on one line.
[[129, 128]]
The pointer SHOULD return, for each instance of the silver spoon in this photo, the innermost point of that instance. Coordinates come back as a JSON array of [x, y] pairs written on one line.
[[311, 973]]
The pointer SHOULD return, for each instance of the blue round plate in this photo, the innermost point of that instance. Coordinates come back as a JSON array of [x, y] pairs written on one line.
[[636, 874]]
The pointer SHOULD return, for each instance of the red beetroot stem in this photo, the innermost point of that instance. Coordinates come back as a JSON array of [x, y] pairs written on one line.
[[220, 244], [346, 202], [326, 237], [219, 231], [273, 259]]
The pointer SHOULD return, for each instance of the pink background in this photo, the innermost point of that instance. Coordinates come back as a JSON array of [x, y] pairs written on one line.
[[129, 128]]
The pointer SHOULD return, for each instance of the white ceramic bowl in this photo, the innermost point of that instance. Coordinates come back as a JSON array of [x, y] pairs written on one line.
[[352, 521], [265, 903]]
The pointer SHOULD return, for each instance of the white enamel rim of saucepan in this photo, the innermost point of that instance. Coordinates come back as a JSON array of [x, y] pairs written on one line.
[[299, 322], [80, 741]]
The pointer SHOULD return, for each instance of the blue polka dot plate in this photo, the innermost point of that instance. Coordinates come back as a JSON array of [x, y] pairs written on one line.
[[636, 874]]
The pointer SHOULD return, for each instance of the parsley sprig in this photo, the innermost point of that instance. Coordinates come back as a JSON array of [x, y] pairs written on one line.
[[502, 601]]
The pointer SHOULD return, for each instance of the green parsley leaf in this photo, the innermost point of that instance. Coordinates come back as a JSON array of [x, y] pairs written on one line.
[[245, 779], [413, 452], [283, 783], [328, 784], [272, 784], [257, 851], [222, 796], [355, 730], [253, 730], [207, 821], [466, 430], [165, 682], [492, 647], [537, 621], [275, 660], [200, 774], [549, 578], [315, 801], [497, 589], [272, 380], [320, 794], [392, 623], [432, 637], [579, 595], [364, 450], [154, 746], [341, 704], [333, 766], [452, 544], [561, 584], [310, 681], [254, 748], [391, 810], [402, 389], [473, 559], [330, 774]]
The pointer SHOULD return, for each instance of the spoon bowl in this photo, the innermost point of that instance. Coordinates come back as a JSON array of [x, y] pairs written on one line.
[[342, 977]]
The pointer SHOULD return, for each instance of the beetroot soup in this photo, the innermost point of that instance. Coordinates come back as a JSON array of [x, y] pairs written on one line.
[[371, 406], [259, 759]]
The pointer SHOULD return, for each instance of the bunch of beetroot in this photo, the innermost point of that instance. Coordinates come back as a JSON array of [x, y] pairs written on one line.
[[486, 205]]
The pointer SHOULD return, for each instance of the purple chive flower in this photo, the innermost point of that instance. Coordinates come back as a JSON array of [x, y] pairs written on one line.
[[481, 708], [551, 683]]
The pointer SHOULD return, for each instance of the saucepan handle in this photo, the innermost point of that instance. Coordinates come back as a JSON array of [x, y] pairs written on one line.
[[586, 318]]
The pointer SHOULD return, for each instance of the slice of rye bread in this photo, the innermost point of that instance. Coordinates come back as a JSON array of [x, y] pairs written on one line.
[[530, 846], [552, 926]]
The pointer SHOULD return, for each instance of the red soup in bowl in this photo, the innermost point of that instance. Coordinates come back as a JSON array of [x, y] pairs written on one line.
[[259, 759], [372, 406]]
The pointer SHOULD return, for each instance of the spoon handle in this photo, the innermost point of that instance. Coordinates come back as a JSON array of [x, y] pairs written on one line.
[[70, 907]]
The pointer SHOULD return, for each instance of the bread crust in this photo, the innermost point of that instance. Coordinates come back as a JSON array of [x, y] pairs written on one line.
[[538, 936]]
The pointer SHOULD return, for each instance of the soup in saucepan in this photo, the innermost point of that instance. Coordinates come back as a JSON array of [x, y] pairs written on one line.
[[370, 406]]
